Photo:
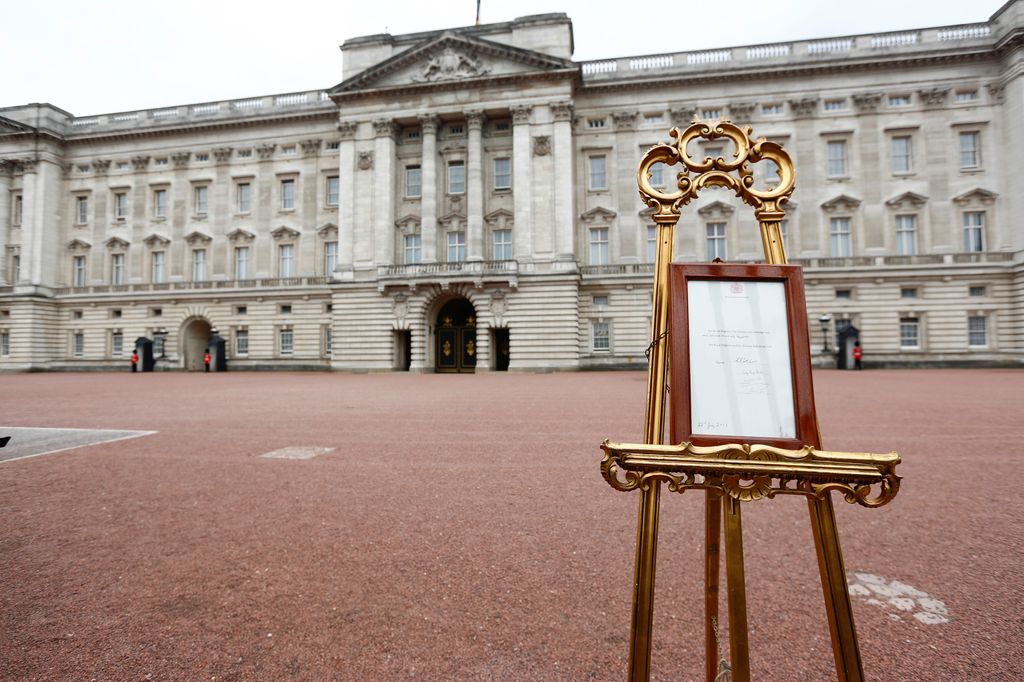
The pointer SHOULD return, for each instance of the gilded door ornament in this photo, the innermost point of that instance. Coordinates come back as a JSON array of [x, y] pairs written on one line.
[[470, 348], [447, 321], [471, 321], [446, 348]]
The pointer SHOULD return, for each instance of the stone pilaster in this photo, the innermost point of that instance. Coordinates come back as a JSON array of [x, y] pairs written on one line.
[[521, 181], [263, 208], [31, 227], [5, 218], [428, 190], [564, 194], [475, 187], [346, 199], [384, 192]]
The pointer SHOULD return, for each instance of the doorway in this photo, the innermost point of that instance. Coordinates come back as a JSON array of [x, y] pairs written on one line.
[[500, 349], [456, 349], [195, 339], [402, 357]]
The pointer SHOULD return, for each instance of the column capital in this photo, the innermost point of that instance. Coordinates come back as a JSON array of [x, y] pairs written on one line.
[[6, 166], [385, 127], [428, 124], [624, 120], [521, 113], [474, 119], [311, 146], [347, 129], [179, 159], [561, 111]]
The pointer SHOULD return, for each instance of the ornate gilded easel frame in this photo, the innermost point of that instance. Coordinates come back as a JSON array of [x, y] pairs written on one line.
[[732, 474]]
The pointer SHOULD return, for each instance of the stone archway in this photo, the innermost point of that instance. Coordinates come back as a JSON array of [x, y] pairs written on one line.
[[195, 339], [455, 342]]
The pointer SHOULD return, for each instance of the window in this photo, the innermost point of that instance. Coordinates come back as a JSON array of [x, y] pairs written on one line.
[[332, 190], [241, 262], [771, 110], [456, 129], [413, 181], [15, 267], [600, 300], [596, 123], [202, 195], [202, 156], [456, 177], [288, 150], [285, 308], [844, 294], [156, 312], [330, 257], [654, 119], [19, 206], [198, 265], [286, 340], [902, 154], [502, 174], [412, 249], [116, 343], [241, 342], [908, 292], [162, 161], [243, 194], [966, 95], [158, 344], [977, 291], [658, 175], [285, 260], [974, 231], [288, 195], [970, 150], [771, 171], [5, 343], [899, 100], [977, 330], [909, 333], [906, 235], [241, 309], [81, 210], [711, 114], [76, 314], [456, 247], [156, 269], [78, 271], [835, 104], [121, 205], [839, 230], [599, 246], [245, 153], [328, 341], [784, 231], [117, 268], [159, 203], [115, 313], [502, 126], [652, 244], [333, 145], [715, 240], [600, 337], [503, 245], [78, 344], [598, 175], [836, 154]]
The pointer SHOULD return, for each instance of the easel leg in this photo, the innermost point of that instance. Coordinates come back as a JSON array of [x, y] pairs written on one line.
[[837, 596], [643, 583], [738, 648], [712, 561]]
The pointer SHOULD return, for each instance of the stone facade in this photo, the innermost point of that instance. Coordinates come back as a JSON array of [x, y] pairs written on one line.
[[328, 229]]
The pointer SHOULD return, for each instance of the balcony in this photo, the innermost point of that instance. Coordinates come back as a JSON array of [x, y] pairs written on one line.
[[476, 271], [264, 283]]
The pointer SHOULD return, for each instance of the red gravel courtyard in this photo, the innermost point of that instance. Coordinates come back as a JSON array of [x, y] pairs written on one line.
[[460, 530]]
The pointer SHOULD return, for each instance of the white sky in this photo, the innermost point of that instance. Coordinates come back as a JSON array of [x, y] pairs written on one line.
[[103, 56]]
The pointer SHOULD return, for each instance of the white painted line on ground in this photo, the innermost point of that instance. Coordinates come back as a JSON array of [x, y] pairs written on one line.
[[133, 434]]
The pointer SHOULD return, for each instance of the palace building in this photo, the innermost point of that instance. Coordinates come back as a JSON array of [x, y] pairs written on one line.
[[466, 200]]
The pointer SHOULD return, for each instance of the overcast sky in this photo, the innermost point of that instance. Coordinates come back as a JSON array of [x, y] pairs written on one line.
[[115, 55]]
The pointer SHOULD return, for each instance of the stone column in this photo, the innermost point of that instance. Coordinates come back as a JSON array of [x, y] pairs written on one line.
[[521, 181], [312, 183], [5, 218], [384, 191], [475, 188], [428, 190], [623, 240], [29, 220], [346, 199], [561, 113], [262, 256], [221, 256], [135, 256]]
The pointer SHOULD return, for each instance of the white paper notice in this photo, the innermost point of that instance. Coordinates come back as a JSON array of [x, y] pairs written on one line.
[[741, 383]]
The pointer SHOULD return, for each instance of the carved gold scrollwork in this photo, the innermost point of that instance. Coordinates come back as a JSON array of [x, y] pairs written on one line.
[[717, 171], [446, 348], [753, 472]]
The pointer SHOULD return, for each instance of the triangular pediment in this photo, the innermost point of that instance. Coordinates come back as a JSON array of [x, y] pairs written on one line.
[[156, 239], [79, 245], [8, 125], [408, 222], [284, 232], [842, 202], [197, 237], [327, 230], [598, 215], [451, 57], [501, 215], [907, 199], [716, 208], [976, 195], [452, 217], [240, 235], [116, 243]]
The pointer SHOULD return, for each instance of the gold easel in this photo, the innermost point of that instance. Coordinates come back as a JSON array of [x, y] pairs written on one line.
[[722, 470]]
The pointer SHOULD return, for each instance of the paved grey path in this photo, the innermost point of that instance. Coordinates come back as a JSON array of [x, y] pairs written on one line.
[[29, 442]]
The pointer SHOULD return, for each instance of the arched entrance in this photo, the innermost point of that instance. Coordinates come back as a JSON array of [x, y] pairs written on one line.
[[195, 337], [455, 341]]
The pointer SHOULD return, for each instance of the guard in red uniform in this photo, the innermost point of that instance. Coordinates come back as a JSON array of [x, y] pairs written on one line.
[[135, 361], [857, 354], [206, 360]]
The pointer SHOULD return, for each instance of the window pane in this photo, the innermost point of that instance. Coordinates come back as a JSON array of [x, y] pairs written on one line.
[[598, 177], [503, 245], [242, 342], [287, 341], [977, 331], [715, 241], [116, 343], [974, 231], [79, 271], [906, 235], [837, 158], [157, 270], [332, 191], [412, 249], [202, 193], [652, 244], [244, 197], [456, 177], [82, 203], [600, 336], [456, 247], [599, 246], [242, 262], [117, 269], [909, 333], [502, 173], [199, 265], [286, 256], [287, 194], [901, 154], [970, 156], [330, 257], [840, 237], [413, 181]]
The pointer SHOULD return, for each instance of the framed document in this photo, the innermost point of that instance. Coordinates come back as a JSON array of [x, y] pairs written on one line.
[[740, 356]]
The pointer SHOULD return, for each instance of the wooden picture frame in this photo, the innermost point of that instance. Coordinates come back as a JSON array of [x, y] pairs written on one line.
[[740, 356]]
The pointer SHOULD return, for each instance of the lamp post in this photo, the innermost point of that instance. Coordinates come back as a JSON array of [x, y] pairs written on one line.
[[824, 320], [162, 334]]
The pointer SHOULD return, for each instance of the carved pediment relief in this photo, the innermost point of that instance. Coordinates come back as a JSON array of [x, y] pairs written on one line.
[[907, 200], [328, 231], [156, 240], [500, 218], [598, 216], [450, 57], [79, 246], [975, 196], [409, 224], [197, 237], [284, 233], [116, 244], [716, 209], [452, 221], [239, 235], [842, 202]]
